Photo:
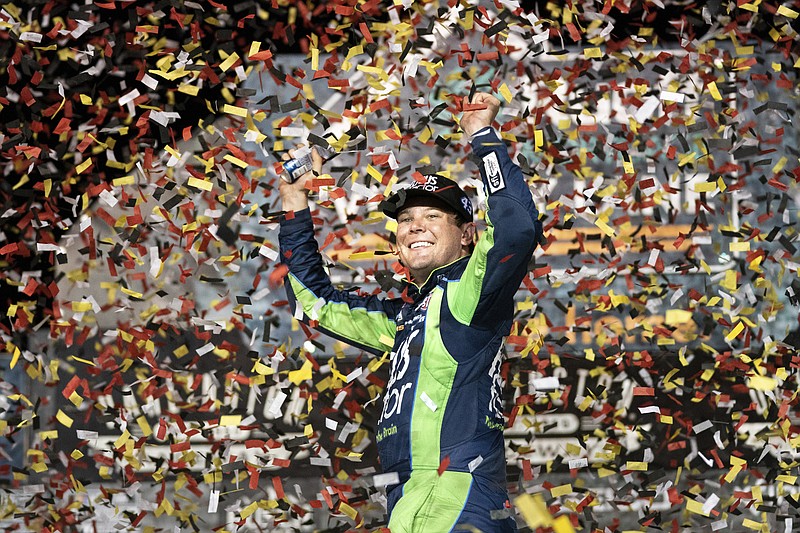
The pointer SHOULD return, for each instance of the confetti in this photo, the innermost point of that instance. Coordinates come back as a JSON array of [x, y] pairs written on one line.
[[652, 364]]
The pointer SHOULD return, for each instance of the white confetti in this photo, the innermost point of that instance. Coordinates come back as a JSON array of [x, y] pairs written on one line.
[[475, 463], [702, 426], [428, 401], [647, 109], [277, 402], [383, 480], [213, 501]]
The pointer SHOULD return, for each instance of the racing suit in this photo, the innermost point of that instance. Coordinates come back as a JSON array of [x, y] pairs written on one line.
[[441, 426]]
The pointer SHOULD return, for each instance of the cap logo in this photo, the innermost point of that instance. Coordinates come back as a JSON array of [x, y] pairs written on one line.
[[467, 204], [431, 184]]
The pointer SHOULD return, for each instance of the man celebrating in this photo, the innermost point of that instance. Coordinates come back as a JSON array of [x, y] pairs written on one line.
[[441, 426]]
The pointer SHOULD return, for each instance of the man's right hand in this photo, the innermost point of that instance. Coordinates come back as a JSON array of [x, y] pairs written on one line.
[[294, 196]]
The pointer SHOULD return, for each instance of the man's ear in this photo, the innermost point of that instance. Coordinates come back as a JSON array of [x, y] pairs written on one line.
[[468, 234]]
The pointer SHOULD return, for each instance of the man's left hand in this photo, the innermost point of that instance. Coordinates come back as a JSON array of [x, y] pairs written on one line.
[[472, 121]]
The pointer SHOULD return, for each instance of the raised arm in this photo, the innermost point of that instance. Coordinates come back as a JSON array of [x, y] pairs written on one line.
[[486, 290], [364, 322]]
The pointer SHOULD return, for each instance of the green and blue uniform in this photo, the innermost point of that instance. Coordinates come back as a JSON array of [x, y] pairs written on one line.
[[441, 425]]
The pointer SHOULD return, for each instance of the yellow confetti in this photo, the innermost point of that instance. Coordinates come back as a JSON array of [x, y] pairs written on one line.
[[533, 510], [693, 506], [587, 401], [562, 524], [64, 418], [131, 293], [191, 90], [735, 332], [81, 307], [538, 139], [762, 383], [76, 399], [675, 317], [751, 524], [505, 92], [304, 373], [83, 166], [349, 511], [144, 425], [84, 361], [592, 53], [730, 281], [236, 161], [250, 509], [234, 110], [230, 420], [385, 340], [685, 160], [561, 490], [608, 230], [180, 351], [315, 59], [197, 183], [705, 186], [14, 358], [125, 180], [714, 90], [627, 167], [229, 61], [122, 439]]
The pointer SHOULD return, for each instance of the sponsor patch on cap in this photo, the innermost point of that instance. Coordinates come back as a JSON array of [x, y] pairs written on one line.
[[431, 184], [467, 204]]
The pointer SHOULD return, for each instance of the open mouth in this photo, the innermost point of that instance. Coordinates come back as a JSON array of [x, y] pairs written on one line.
[[420, 244]]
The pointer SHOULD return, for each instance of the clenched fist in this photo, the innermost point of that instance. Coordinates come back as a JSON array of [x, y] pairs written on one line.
[[472, 121]]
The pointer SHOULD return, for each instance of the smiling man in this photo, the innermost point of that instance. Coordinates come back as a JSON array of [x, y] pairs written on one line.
[[440, 431], [434, 225]]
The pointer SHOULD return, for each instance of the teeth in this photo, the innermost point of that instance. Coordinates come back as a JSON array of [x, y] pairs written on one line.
[[420, 245]]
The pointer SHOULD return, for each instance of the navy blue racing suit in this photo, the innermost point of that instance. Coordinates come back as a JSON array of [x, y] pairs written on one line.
[[441, 424]]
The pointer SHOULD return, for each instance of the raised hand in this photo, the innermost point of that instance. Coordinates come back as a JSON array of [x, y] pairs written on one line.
[[294, 196], [474, 120]]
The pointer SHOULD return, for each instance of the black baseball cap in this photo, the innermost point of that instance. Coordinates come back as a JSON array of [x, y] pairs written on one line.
[[435, 186]]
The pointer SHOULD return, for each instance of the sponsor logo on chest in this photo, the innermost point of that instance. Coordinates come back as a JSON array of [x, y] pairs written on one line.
[[398, 384]]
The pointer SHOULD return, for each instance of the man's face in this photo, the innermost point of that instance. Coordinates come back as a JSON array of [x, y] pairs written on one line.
[[428, 236]]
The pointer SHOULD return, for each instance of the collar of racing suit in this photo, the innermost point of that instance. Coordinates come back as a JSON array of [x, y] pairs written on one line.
[[415, 291]]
